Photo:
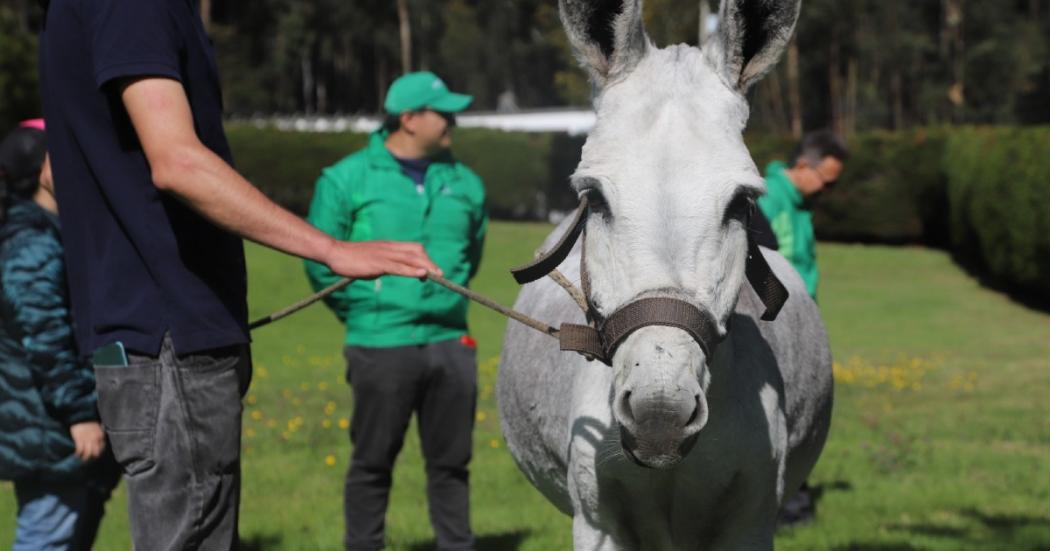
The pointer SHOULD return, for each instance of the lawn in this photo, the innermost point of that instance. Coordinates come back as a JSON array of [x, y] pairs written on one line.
[[940, 440]]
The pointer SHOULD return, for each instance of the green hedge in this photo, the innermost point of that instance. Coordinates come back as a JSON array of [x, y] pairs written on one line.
[[999, 204], [892, 190], [981, 192], [285, 165], [520, 170], [886, 193]]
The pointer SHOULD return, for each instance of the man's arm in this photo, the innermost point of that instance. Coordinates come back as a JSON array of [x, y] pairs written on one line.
[[184, 167]]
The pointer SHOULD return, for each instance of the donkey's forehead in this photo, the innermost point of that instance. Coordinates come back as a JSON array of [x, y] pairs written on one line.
[[673, 105]]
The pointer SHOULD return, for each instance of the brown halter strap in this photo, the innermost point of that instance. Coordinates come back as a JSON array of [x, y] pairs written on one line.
[[600, 340]]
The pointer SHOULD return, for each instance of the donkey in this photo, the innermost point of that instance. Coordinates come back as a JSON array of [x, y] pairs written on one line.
[[673, 445]]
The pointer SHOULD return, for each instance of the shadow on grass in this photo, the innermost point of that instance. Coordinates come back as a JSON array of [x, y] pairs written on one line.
[[878, 547], [1002, 526], [511, 541], [260, 542]]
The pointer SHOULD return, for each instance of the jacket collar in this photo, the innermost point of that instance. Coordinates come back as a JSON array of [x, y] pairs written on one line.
[[27, 214], [776, 174], [380, 157]]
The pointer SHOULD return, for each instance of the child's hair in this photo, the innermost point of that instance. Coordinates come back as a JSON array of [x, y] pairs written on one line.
[[22, 155]]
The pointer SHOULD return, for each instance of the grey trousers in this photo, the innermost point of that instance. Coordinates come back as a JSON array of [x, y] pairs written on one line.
[[174, 424], [437, 382]]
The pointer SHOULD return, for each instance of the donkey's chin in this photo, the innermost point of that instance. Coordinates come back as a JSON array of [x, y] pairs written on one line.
[[656, 453]]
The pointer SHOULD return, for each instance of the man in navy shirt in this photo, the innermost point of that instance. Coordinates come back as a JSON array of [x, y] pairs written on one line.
[[152, 218]]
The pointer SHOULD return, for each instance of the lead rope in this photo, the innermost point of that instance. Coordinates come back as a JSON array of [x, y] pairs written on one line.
[[476, 297]]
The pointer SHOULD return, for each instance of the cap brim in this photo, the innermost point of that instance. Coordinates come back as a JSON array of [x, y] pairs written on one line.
[[451, 103]]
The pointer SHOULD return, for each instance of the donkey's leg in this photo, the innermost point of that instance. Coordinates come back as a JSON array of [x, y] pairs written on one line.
[[587, 536]]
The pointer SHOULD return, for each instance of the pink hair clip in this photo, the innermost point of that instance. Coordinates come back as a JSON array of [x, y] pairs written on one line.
[[32, 123]]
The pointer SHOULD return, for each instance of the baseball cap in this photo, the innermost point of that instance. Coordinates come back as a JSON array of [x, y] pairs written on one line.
[[423, 89]]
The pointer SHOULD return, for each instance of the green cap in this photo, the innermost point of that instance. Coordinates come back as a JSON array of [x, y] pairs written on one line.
[[415, 91]]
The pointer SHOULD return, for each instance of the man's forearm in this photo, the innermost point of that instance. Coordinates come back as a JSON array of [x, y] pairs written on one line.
[[210, 186], [182, 166]]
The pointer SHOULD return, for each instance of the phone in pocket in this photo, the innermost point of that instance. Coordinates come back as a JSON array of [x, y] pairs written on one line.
[[110, 355]]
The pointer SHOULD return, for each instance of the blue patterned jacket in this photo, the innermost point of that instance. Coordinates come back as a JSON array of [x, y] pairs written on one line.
[[44, 386]]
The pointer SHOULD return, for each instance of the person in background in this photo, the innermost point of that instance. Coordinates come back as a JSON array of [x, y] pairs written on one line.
[[815, 166], [786, 225], [407, 345], [51, 443]]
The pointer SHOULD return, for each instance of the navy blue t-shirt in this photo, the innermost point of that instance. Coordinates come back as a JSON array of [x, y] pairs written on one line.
[[140, 262], [416, 169]]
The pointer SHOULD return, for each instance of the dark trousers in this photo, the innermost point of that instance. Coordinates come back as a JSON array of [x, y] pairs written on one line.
[[439, 383], [174, 424]]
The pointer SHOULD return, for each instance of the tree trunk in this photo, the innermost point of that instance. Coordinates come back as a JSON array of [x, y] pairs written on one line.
[[381, 77], [307, 66], [406, 36], [705, 12], [206, 14], [776, 102], [835, 84], [897, 97], [954, 17], [850, 119], [322, 96], [794, 93]]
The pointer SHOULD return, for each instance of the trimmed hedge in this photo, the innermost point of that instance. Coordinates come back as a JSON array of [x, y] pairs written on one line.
[[285, 165], [516, 167], [892, 189], [999, 204], [981, 192]]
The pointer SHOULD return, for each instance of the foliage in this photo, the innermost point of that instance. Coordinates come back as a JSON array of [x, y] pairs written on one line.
[[285, 165], [19, 98], [862, 64], [892, 191], [999, 205], [515, 167]]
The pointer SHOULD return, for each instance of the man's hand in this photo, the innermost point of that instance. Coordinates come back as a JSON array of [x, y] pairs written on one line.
[[89, 440], [371, 259]]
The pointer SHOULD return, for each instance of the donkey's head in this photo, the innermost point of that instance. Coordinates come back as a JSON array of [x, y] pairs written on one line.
[[671, 184]]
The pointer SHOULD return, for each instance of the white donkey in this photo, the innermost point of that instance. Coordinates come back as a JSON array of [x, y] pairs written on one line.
[[683, 442]]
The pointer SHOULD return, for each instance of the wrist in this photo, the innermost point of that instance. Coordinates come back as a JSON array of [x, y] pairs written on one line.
[[326, 249]]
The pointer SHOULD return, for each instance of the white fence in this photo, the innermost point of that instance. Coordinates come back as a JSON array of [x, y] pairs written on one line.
[[571, 121]]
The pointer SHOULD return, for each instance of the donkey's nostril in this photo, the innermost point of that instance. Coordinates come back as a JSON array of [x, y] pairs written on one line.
[[626, 413], [696, 411]]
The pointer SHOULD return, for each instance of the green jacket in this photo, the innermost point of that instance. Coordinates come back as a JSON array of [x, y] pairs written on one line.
[[792, 224], [366, 197]]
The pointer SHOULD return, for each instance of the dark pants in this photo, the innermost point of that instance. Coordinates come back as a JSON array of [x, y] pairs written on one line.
[[437, 381], [174, 424]]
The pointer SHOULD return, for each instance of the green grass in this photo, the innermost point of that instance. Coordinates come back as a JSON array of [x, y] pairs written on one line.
[[940, 440]]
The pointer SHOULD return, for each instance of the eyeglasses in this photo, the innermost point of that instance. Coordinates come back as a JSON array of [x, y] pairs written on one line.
[[828, 182]]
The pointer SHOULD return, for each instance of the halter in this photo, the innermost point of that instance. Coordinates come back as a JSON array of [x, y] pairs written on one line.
[[599, 339]]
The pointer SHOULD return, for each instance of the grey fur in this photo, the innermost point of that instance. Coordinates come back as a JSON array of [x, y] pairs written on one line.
[[752, 36], [725, 493], [727, 436], [605, 56]]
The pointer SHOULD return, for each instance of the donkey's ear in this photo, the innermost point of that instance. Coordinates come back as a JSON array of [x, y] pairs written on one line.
[[751, 36], [607, 35]]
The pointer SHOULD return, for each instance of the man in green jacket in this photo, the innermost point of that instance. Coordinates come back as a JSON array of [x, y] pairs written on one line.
[[407, 345], [790, 190]]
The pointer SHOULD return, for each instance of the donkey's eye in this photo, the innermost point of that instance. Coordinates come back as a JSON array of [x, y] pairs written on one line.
[[597, 204], [740, 208]]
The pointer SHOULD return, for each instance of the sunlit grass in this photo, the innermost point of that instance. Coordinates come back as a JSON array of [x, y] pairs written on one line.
[[941, 436]]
